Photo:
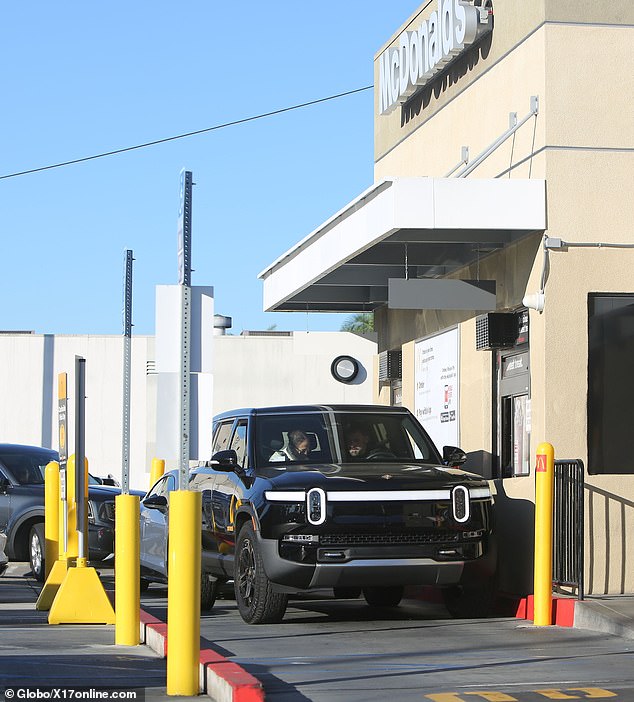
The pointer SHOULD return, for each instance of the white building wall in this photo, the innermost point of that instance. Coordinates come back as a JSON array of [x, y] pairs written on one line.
[[29, 368], [259, 371], [248, 371]]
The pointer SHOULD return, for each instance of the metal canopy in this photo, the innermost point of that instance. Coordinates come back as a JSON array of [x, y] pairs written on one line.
[[407, 228]]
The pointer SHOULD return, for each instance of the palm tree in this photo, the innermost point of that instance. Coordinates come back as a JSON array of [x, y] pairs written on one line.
[[360, 323]]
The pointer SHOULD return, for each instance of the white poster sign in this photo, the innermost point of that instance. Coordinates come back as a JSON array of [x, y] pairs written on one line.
[[437, 399]]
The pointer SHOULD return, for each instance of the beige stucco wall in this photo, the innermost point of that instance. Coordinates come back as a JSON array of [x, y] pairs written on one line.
[[578, 58], [516, 54]]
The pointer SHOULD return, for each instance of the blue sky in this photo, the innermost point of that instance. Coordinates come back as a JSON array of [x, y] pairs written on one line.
[[82, 78]]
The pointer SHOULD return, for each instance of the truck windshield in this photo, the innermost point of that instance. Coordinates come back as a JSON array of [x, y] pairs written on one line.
[[342, 437]]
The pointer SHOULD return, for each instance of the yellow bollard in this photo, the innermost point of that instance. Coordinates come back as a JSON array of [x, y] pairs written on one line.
[[157, 469], [544, 491], [183, 593], [51, 516], [127, 570], [80, 597], [55, 557]]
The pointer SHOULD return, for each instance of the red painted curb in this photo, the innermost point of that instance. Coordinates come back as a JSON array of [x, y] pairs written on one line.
[[148, 618], [238, 685], [563, 612]]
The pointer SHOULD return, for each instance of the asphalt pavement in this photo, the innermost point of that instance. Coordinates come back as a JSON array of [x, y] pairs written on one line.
[[34, 654], [37, 655]]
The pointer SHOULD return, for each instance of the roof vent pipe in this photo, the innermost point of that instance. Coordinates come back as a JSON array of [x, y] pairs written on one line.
[[221, 324]]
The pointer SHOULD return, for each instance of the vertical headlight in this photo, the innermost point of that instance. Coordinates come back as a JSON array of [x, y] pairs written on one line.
[[461, 504], [316, 506]]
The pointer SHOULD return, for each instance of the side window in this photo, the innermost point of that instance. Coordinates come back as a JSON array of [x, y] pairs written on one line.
[[170, 484], [221, 439], [239, 442], [161, 487]]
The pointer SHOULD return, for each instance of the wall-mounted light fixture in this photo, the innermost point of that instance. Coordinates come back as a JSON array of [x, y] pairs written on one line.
[[344, 369]]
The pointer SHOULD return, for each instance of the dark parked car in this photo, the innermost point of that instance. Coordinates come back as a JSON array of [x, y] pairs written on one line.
[[22, 506], [353, 498], [4, 561]]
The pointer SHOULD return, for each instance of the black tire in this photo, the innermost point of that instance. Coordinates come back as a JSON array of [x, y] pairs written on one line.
[[346, 593], [208, 591], [144, 585], [383, 596], [257, 602], [36, 551], [470, 602]]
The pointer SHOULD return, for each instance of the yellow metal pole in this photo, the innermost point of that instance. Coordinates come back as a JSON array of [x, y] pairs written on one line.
[[51, 516], [73, 537], [157, 469], [63, 519], [544, 490], [127, 570], [72, 547], [183, 593]]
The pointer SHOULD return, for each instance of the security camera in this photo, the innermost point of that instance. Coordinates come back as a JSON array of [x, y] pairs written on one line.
[[535, 301]]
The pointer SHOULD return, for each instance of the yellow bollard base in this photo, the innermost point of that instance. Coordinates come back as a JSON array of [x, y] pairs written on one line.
[[81, 599], [52, 585]]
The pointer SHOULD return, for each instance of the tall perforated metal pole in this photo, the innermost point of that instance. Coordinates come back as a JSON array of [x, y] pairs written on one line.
[[185, 281], [183, 594], [127, 363], [127, 527]]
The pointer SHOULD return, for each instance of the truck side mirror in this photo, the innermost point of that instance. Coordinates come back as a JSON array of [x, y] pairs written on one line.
[[453, 456], [224, 460], [156, 502]]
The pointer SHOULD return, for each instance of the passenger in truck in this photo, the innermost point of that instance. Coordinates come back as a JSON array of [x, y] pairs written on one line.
[[296, 449]]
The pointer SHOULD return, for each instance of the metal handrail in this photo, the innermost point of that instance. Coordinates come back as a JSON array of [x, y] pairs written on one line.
[[568, 532]]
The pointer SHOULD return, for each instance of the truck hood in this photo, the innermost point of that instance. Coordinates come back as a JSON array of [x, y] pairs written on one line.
[[363, 476]]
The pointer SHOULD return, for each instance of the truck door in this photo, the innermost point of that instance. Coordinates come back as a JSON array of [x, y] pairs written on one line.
[[227, 494], [154, 526]]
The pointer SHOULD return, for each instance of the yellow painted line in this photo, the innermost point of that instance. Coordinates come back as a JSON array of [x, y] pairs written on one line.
[[593, 692], [556, 695], [551, 694]]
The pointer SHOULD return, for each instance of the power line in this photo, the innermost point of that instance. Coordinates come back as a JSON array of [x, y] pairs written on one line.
[[183, 136]]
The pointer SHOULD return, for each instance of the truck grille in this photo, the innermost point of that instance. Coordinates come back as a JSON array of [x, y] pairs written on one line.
[[433, 537]]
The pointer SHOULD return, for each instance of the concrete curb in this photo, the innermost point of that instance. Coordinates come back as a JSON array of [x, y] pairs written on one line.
[[599, 616], [220, 679], [593, 615]]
